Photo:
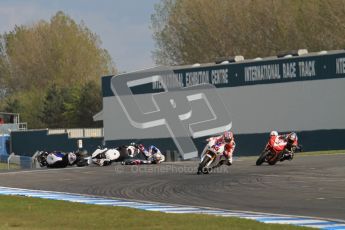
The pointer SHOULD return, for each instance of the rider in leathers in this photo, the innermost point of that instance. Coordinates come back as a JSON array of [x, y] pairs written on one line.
[[226, 139], [152, 156], [285, 142]]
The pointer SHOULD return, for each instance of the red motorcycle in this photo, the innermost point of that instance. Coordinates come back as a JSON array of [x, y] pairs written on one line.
[[284, 150]]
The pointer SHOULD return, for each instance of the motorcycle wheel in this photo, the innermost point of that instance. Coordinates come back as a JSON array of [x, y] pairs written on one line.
[[262, 158], [201, 168], [206, 170]]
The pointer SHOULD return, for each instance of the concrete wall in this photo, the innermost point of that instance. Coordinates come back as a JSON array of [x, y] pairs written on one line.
[[26, 143]]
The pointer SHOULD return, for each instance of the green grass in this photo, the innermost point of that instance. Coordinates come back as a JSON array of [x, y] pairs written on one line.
[[315, 153], [3, 166], [322, 152], [34, 213]]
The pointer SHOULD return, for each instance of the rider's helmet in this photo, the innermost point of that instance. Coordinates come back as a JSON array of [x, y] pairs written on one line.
[[292, 137], [274, 133], [228, 136], [72, 157]]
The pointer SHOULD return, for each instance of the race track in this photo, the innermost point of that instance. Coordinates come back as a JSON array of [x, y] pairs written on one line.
[[307, 186]]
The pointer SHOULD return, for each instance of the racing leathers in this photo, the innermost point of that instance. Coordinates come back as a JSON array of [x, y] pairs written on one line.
[[287, 144], [152, 156], [278, 142], [229, 149]]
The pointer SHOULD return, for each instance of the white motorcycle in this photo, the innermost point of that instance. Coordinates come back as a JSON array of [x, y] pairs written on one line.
[[105, 156], [211, 156]]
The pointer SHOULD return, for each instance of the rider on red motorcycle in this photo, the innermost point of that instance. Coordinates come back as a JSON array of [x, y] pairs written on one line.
[[287, 143], [228, 140]]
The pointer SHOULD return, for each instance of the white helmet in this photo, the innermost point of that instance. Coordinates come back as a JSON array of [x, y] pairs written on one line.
[[292, 136], [157, 157], [274, 133], [72, 158]]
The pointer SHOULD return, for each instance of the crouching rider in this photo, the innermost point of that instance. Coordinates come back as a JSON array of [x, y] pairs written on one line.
[[227, 139]]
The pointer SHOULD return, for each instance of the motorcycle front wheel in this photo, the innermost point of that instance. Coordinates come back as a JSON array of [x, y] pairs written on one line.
[[262, 157], [202, 165]]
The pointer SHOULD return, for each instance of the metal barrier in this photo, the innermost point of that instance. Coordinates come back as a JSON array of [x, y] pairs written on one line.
[[22, 162], [8, 128]]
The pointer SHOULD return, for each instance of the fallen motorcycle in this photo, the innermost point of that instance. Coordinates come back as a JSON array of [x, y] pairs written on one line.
[[104, 156], [59, 159]]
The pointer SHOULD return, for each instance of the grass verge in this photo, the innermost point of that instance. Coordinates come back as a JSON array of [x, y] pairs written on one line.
[[322, 152], [34, 213], [314, 153], [4, 166]]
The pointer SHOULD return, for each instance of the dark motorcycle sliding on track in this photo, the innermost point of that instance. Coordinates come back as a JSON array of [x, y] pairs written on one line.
[[60, 159], [285, 150]]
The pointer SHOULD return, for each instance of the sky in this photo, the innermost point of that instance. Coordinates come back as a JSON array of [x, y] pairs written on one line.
[[122, 25]]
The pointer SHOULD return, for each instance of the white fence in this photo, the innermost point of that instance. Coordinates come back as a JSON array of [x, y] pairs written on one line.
[[78, 133]]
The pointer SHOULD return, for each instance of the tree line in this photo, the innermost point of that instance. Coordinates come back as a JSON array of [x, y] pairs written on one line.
[[50, 73], [199, 31]]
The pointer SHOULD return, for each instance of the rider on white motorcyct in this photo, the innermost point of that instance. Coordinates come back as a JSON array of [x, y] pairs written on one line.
[[227, 139], [223, 145]]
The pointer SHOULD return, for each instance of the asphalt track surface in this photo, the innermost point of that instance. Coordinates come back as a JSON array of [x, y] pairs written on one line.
[[307, 186]]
